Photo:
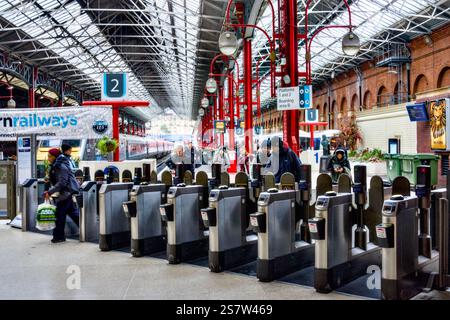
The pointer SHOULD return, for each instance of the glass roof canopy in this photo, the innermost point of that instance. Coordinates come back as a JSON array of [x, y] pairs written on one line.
[[69, 32], [160, 43]]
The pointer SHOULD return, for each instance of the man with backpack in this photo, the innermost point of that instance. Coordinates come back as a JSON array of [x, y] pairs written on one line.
[[63, 186], [283, 159]]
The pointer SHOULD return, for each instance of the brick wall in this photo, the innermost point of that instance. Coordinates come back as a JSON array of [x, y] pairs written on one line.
[[429, 70]]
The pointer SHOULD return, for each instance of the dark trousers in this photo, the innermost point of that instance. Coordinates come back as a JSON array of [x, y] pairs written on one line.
[[64, 208]]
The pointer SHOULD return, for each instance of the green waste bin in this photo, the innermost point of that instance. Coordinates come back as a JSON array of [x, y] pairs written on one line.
[[394, 166], [410, 162]]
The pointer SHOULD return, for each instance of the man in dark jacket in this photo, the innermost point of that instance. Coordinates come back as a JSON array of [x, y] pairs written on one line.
[[285, 159], [64, 185], [339, 164], [263, 156], [191, 151], [67, 151]]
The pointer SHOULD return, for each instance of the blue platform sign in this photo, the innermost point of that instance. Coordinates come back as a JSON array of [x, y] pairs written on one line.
[[294, 98], [114, 86], [312, 115], [418, 112], [305, 96]]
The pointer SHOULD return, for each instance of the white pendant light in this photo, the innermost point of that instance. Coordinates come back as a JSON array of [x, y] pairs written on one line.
[[228, 43]]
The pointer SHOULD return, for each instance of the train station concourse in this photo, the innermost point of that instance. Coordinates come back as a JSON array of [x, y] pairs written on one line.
[[225, 156]]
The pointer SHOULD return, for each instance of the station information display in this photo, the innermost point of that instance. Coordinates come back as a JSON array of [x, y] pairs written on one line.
[[417, 112]]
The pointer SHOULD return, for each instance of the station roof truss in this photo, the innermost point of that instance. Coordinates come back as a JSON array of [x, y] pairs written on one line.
[[166, 46], [380, 25], [154, 41]]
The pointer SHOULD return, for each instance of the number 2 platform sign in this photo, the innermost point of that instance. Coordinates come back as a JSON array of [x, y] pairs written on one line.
[[114, 86]]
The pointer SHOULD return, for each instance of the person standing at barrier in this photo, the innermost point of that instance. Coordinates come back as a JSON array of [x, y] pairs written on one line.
[[284, 160], [64, 186], [325, 145], [243, 160], [339, 164], [178, 157], [263, 156], [221, 157], [67, 152], [191, 154]]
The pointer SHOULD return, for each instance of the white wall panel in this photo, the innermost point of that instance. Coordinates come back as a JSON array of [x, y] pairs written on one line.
[[378, 125]]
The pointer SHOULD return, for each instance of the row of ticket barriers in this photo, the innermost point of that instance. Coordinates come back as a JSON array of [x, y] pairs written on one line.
[[341, 230]]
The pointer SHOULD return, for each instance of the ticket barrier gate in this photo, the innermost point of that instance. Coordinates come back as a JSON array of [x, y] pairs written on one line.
[[226, 218], [284, 243], [114, 226], [148, 231], [275, 223], [28, 203], [343, 251], [30, 196], [88, 203], [410, 263], [232, 241], [186, 235]]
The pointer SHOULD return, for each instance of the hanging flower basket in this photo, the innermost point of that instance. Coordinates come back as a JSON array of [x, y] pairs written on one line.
[[106, 145]]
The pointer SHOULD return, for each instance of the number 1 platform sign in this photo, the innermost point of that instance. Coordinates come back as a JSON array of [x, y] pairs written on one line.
[[114, 86]]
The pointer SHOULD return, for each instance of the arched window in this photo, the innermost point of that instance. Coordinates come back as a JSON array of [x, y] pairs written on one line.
[[399, 93], [367, 101], [382, 97], [354, 104], [444, 78], [325, 112], [344, 108], [421, 84], [333, 115]]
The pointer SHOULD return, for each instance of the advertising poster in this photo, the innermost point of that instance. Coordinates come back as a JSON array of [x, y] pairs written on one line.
[[438, 123]]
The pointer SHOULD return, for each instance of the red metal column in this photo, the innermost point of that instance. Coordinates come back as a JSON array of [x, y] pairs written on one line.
[[290, 118], [248, 95], [31, 97], [204, 120], [221, 106], [115, 120], [214, 117], [211, 128], [233, 163], [61, 94]]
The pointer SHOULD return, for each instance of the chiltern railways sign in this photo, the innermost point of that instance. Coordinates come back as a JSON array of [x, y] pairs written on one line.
[[59, 123]]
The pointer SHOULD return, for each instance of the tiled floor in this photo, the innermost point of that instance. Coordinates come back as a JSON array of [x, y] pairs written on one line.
[[33, 268]]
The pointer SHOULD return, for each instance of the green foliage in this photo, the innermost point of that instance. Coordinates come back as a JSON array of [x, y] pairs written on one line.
[[352, 153], [46, 167], [367, 155], [107, 145]]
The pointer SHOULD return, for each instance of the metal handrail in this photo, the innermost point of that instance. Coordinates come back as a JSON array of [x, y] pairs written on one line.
[[389, 99]]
